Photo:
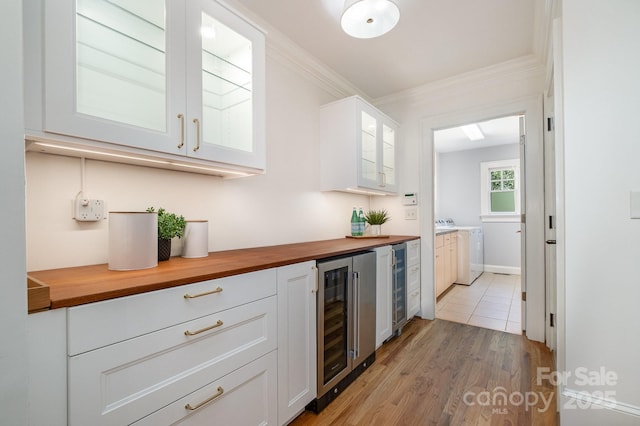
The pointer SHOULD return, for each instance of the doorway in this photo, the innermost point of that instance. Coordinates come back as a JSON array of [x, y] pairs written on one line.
[[532, 267], [477, 203]]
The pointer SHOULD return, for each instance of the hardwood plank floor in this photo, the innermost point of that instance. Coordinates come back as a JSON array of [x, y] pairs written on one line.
[[445, 373]]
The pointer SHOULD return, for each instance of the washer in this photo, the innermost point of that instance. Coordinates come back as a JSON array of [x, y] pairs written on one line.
[[470, 254], [470, 250]]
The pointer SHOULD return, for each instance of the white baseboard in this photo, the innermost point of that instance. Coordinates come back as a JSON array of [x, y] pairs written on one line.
[[576, 403], [497, 269]]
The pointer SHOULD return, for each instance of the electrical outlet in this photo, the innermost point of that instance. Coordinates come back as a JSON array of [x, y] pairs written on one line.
[[411, 213], [88, 210]]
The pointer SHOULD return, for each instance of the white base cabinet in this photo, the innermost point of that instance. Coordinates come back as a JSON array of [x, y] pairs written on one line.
[[384, 292], [297, 288], [47, 356], [413, 278], [244, 397], [137, 371]]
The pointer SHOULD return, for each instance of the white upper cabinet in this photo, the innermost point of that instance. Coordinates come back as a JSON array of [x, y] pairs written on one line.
[[358, 144], [180, 77], [225, 86]]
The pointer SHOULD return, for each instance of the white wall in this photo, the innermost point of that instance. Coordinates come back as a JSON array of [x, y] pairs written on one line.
[[459, 181], [459, 189], [601, 151], [282, 206], [13, 303]]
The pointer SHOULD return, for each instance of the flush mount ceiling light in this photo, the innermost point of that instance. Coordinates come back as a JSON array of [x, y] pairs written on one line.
[[369, 18], [473, 132]]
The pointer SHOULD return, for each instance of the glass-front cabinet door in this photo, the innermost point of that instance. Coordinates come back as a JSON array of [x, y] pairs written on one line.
[[114, 71], [225, 86], [388, 148], [183, 77], [377, 139], [369, 150]]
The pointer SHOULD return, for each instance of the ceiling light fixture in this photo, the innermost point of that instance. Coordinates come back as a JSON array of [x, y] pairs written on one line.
[[369, 18], [473, 132]]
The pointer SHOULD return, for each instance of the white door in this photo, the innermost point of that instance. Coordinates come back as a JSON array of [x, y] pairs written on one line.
[[297, 288], [523, 224], [550, 225], [384, 282]]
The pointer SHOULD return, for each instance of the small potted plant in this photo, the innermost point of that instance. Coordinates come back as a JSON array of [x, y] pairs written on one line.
[[375, 218], [170, 226]]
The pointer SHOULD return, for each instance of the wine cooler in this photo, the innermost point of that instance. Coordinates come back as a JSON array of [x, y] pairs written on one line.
[[399, 287], [346, 323]]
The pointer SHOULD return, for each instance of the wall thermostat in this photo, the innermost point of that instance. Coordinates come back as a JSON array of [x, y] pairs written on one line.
[[410, 199]]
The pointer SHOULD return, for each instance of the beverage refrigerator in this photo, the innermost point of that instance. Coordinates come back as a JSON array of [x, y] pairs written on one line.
[[346, 304]]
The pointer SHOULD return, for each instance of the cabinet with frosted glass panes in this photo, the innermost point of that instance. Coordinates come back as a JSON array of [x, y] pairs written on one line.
[[358, 147], [167, 76]]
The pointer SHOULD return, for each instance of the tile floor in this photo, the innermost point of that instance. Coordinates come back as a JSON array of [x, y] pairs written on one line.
[[492, 301]]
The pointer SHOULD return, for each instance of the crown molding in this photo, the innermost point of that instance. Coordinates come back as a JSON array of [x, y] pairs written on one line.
[[287, 53], [290, 55], [526, 67]]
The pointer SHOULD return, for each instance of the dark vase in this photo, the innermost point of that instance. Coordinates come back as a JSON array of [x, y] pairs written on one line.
[[164, 249]]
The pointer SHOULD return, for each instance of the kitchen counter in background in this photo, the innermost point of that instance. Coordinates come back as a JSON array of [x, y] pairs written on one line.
[[94, 283], [445, 231]]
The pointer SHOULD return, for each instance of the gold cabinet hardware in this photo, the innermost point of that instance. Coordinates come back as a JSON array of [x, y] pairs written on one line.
[[202, 330], [181, 118], [206, 293], [197, 123], [195, 407]]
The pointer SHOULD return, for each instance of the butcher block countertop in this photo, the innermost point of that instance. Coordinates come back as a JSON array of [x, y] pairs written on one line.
[[94, 283]]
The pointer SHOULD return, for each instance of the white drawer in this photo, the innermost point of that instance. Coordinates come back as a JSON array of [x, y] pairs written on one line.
[[100, 324], [413, 278], [413, 303], [124, 382], [413, 252], [247, 396]]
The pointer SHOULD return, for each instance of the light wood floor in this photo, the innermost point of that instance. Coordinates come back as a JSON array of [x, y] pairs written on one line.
[[445, 373]]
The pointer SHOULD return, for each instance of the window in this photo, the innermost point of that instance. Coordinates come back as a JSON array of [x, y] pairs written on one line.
[[500, 190]]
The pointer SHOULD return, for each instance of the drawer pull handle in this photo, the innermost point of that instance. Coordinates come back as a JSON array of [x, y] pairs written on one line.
[[206, 293], [195, 407], [202, 330]]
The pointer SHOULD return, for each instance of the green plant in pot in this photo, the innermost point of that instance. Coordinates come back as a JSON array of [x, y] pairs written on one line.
[[375, 218], [170, 225]]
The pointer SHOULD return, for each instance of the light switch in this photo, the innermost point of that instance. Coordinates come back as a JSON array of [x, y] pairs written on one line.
[[411, 213], [635, 204]]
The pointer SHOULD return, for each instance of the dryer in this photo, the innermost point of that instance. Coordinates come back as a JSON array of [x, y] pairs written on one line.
[[470, 254]]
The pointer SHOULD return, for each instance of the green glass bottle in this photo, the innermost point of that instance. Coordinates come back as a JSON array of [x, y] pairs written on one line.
[[355, 223], [361, 222]]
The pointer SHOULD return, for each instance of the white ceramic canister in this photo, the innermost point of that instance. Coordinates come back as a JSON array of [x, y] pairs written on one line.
[[196, 239], [133, 240]]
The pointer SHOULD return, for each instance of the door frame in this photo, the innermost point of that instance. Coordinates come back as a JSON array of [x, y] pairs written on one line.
[[534, 272], [551, 217]]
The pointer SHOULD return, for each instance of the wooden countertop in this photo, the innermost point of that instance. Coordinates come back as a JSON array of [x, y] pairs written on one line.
[[94, 283]]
